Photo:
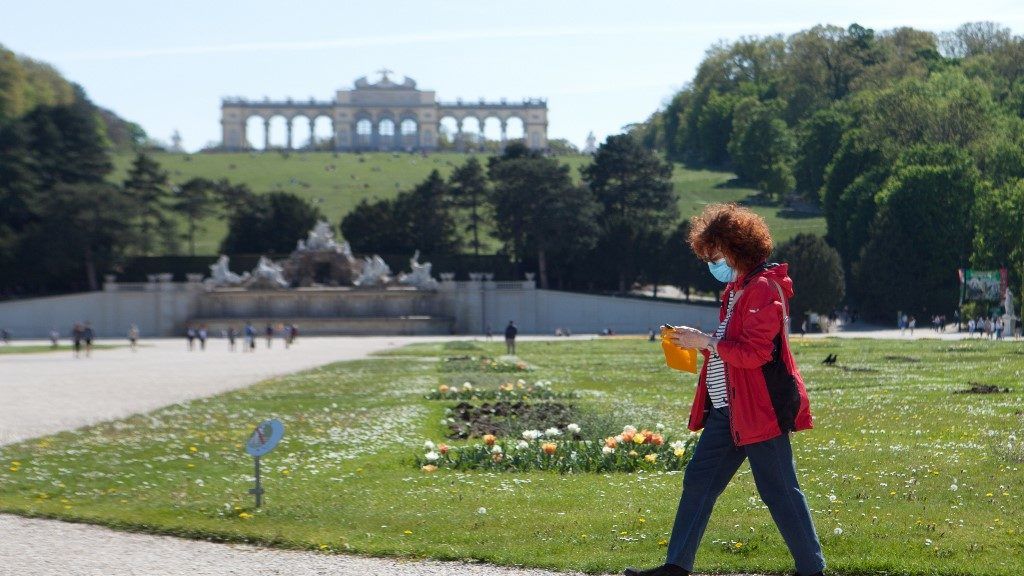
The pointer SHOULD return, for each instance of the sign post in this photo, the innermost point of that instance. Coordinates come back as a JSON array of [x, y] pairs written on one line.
[[263, 439]]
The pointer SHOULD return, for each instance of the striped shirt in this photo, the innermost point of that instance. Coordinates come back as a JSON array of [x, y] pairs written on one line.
[[716, 377]]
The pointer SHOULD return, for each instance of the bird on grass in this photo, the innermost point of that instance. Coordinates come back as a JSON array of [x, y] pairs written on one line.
[[830, 360]]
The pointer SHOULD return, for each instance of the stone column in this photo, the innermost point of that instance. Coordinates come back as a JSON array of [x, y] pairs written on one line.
[[266, 133], [458, 134], [288, 145], [312, 133]]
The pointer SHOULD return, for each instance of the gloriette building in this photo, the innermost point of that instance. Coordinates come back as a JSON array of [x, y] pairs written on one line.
[[385, 115]]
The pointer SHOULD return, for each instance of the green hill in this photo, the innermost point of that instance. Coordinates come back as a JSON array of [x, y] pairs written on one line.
[[337, 182]]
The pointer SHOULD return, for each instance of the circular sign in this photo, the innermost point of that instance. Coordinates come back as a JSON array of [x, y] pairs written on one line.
[[265, 437]]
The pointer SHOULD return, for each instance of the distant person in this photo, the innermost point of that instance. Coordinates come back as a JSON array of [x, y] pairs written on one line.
[[250, 338], [232, 334], [76, 339], [803, 327], [269, 331], [489, 333], [970, 328], [203, 334], [912, 325], [190, 335], [133, 338], [54, 337], [650, 334], [5, 336], [88, 335], [510, 337], [290, 333]]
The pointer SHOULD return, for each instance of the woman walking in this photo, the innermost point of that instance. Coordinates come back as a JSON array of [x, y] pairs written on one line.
[[750, 394]]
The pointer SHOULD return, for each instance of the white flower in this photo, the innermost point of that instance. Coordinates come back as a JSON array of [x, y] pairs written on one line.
[[953, 487], [574, 428], [522, 445], [199, 481], [531, 435], [659, 426], [495, 449], [431, 456], [629, 429], [521, 382], [837, 531], [467, 386], [454, 390], [553, 431], [677, 445], [481, 510], [607, 450], [927, 541], [832, 498], [618, 437], [428, 445]]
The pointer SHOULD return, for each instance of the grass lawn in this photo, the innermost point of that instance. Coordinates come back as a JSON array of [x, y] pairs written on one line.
[[903, 475], [43, 348], [337, 182]]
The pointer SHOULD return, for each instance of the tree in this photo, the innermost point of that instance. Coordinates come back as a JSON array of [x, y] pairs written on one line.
[[194, 200], [975, 38], [818, 139], [468, 184], [816, 271], [999, 240], [762, 147], [148, 186], [81, 232], [269, 224], [634, 188], [418, 219], [372, 227], [425, 217], [537, 210], [922, 233]]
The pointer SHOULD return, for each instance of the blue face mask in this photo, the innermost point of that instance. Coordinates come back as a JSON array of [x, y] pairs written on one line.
[[722, 271]]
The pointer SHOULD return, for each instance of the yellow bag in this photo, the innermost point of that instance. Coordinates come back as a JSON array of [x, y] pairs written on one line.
[[684, 359]]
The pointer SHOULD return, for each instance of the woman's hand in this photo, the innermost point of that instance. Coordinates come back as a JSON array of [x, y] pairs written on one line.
[[686, 337]]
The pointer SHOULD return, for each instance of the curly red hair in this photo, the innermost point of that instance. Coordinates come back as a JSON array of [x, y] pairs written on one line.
[[737, 232]]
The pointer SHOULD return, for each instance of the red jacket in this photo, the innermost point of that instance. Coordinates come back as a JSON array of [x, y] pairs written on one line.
[[763, 399]]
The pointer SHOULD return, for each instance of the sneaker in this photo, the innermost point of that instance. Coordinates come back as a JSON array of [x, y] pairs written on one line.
[[663, 570]]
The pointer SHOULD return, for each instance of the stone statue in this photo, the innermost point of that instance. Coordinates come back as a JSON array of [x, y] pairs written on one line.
[[267, 274], [221, 275], [420, 275], [375, 272], [321, 239]]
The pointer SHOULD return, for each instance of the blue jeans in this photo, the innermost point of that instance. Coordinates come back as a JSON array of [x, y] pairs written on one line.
[[715, 461]]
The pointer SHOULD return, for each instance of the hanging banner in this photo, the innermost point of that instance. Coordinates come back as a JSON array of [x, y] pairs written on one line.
[[982, 285]]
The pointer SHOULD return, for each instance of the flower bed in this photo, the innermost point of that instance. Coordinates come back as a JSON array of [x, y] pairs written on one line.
[[519, 390], [629, 451], [482, 364], [506, 418]]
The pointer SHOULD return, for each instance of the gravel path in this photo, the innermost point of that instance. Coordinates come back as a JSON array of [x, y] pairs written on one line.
[[30, 547]]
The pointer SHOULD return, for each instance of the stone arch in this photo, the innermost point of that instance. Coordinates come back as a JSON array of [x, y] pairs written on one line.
[[277, 137], [448, 129], [254, 133], [301, 129], [323, 131], [515, 128], [365, 129], [386, 129], [408, 131]]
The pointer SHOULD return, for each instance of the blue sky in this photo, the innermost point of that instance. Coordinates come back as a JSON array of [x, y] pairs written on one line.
[[600, 64]]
